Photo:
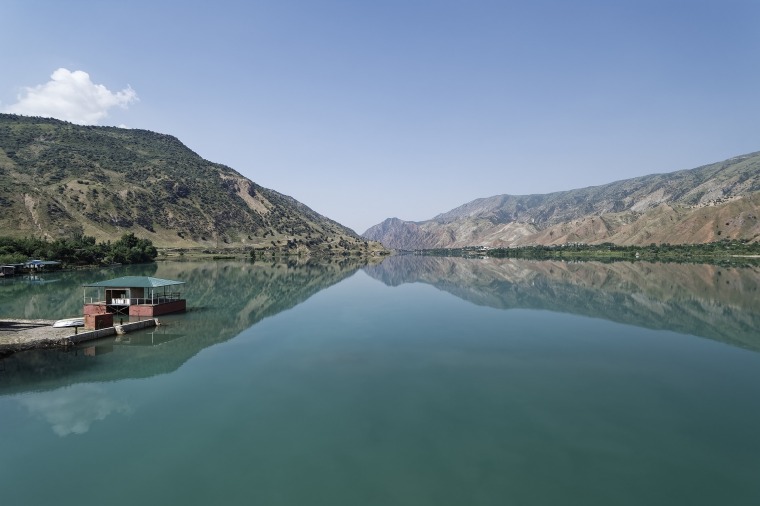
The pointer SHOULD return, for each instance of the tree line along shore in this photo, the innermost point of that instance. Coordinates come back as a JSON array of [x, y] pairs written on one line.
[[78, 250], [725, 251], [83, 250]]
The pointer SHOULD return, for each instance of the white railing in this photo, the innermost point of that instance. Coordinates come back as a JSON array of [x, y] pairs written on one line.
[[158, 299]]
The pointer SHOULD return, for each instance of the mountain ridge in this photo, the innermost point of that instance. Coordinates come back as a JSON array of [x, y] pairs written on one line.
[[59, 179], [714, 201]]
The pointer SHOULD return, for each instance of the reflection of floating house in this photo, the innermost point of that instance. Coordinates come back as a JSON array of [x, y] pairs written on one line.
[[132, 296], [154, 338]]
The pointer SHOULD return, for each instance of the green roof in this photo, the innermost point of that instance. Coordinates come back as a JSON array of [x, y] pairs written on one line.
[[135, 282]]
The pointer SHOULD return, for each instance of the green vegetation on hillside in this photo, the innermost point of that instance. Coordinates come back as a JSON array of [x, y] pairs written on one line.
[[80, 250], [734, 251], [59, 180]]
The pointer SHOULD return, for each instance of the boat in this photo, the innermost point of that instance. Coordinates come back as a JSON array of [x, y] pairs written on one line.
[[70, 322]]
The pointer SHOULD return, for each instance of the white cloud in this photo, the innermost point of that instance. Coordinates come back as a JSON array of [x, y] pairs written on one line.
[[71, 96]]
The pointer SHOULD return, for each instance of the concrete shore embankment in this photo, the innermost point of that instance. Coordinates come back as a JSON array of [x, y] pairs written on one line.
[[19, 335]]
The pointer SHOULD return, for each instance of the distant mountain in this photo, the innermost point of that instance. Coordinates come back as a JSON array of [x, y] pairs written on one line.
[[709, 203], [58, 179]]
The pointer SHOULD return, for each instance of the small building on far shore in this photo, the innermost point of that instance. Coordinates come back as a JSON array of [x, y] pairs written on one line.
[[131, 296], [42, 265], [9, 270], [30, 266]]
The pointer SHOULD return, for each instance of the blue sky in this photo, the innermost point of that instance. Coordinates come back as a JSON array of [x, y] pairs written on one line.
[[365, 110]]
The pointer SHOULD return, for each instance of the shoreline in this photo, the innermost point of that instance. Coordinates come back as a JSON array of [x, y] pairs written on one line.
[[18, 334]]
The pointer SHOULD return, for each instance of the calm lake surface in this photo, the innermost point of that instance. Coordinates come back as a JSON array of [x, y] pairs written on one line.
[[419, 381]]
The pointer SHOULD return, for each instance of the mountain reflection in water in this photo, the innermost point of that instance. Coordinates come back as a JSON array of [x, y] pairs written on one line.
[[224, 298], [369, 394], [710, 301]]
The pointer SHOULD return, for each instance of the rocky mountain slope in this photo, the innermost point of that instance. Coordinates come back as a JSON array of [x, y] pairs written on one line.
[[58, 179], [709, 203]]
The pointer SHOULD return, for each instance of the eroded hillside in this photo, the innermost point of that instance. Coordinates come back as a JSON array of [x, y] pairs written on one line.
[[57, 179], [717, 201]]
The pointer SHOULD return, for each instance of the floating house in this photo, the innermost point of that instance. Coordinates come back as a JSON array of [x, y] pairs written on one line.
[[42, 265], [131, 296], [31, 266], [11, 269]]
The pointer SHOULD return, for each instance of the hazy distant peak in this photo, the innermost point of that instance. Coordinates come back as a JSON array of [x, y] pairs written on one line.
[[707, 203]]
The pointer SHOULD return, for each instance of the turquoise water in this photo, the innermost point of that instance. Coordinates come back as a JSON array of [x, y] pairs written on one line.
[[419, 381]]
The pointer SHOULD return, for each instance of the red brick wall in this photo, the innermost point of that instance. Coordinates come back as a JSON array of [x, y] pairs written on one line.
[[176, 306], [98, 321], [95, 309]]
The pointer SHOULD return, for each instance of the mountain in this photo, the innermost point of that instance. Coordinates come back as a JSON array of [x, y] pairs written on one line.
[[59, 179], [709, 203]]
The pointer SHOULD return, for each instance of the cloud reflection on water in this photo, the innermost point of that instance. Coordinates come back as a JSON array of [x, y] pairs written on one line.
[[73, 409]]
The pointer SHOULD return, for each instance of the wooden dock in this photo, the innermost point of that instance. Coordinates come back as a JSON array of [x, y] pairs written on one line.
[[19, 335]]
